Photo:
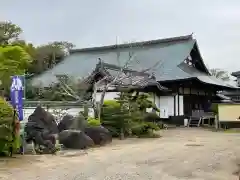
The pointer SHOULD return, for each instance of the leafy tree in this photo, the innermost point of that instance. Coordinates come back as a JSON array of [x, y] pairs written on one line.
[[9, 135], [28, 47], [48, 55], [44, 56], [8, 32], [220, 74], [126, 115], [116, 118], [13, 60]]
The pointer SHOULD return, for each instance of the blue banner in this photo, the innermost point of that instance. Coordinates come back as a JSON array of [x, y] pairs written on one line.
[[17, 95]]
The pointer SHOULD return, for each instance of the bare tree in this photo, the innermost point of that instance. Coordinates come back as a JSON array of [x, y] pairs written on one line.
[[75, 88], [106, 82], [118, 80]]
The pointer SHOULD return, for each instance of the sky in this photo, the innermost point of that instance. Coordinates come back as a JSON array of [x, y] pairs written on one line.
[[86, 23]]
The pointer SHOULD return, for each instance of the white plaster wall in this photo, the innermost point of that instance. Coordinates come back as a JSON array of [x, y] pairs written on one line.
[[164, 103], [28, 111], [181, 105], [166, 106]]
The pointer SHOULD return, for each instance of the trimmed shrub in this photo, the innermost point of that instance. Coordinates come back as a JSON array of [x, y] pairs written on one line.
[[9, 135], [126, 117], [160, 124], [151, 117], [144, 128], [93, 122], [115, 118]]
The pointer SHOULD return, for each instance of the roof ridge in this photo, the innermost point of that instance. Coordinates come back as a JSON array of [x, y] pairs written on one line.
[[136, 44]]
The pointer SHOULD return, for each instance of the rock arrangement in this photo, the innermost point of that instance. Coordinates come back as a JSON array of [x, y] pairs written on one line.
[[75, 139], [71, 132], [42, 129]]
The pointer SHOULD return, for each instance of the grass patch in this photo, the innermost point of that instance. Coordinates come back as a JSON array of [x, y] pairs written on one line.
[[232, 131], [150, 134]]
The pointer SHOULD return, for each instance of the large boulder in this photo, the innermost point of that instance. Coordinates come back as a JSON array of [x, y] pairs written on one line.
[[71, 122], [99, 135], [41, 120], [75, 139], [41, 128]]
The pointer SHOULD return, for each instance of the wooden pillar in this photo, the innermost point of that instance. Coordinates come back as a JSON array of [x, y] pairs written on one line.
[[178, 102], [174, 104], [199, 101], [190, 94]]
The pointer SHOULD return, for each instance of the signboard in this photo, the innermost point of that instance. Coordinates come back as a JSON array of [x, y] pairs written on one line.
[[17, 95]]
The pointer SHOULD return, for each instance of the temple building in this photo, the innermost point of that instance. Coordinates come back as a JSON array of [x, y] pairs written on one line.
[[234, 94], [184, 82]]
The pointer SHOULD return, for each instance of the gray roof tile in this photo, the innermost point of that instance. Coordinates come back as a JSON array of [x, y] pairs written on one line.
[[163, 57]]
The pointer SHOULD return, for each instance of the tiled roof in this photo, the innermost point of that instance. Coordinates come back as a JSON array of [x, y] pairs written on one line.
[[135, 44], [236, 73], [129, 77], [163, 57]]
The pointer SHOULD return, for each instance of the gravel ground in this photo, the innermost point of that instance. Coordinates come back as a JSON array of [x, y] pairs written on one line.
[[181, 154]]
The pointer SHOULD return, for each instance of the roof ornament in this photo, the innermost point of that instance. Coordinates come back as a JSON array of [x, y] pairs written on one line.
[[99, 60], [192, 34], [100, 63], [152, 76]]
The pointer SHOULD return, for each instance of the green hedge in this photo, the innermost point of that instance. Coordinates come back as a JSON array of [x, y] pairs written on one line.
[[117, 118], [8, 137], [92, 122]]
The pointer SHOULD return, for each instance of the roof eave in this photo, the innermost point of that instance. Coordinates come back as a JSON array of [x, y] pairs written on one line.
[[236, 73], [201, 59], [135, 44]]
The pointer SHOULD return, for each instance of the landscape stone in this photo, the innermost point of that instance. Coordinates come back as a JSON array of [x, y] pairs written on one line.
[[75, 139]]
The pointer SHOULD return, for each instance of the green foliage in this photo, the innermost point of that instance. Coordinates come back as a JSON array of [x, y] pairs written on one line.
[[13, 60], [111, 104], [150, 134], [93, 122], [18, 57], [8, 137], [151, 117], [8, 32], [128, 113], [115, 117], [144, 102], [144, 128]]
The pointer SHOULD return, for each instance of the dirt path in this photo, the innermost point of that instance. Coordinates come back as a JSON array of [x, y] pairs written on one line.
[[181, 154]]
